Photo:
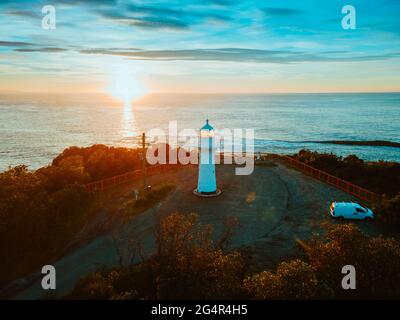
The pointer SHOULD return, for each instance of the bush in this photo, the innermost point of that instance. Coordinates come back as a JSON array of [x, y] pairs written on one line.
[[293, 280], [41, 210], [100, 161], [381, 177], [190, 266], [134, 282], [388, 211], [154, 195], [376, 260], [186, 266], [38, 215]]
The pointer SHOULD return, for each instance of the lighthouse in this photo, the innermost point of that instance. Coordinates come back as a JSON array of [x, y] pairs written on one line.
[[207, 182]]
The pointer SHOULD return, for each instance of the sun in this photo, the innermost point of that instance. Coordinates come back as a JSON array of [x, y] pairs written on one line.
[[124, 86]]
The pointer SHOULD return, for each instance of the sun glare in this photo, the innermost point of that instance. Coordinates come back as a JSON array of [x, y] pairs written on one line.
[[125, 87]]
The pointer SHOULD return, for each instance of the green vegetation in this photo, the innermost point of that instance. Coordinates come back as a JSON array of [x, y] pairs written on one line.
[[381, 177], [153, 196], [42, 210], [293, 280], [187, 265], [99, 161], [379, 143], [376, 259], [38, 215], [388, 211]]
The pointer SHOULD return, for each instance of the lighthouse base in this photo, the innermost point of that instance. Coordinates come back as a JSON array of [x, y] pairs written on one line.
[[207, 194]]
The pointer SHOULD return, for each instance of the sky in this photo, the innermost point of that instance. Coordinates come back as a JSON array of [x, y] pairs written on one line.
[[129, 48]]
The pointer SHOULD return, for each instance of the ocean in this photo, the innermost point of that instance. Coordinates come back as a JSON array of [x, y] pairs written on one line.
[[35, 128]]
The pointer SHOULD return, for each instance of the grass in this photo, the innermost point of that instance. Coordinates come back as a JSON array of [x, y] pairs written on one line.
[[154, 195], [149, 199]]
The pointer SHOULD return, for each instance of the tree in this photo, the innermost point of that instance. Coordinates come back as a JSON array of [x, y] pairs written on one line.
[[292, 280], [388, 210], [50, 205], [190, 266], [382, 177], [186, 265], [376, 260]]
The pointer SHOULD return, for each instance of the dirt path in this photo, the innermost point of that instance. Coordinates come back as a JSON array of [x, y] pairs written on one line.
[[275, 206]]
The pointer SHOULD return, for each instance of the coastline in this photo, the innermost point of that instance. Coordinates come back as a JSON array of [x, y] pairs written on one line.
[[266, 146], [368, 143]]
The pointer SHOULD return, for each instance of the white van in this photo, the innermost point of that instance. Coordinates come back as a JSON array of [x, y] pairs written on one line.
[[350, 210]]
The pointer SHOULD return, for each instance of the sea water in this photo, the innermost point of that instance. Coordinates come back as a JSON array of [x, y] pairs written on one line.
[[35, 128]]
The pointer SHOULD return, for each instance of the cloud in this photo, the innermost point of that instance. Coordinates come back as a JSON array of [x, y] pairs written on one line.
[[238, 55], [89, 2], [223, 54], [154, 23], [220, 2], [152, 10], [46, 49], [14, 44], [24, 13], [162, 16], [20, 46], [281, 11], [146, 17]]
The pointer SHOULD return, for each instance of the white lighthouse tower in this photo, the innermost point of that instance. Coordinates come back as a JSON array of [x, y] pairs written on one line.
[[207, 182]]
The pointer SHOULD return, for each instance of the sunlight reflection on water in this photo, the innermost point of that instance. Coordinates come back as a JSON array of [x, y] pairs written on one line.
[[128, 128]]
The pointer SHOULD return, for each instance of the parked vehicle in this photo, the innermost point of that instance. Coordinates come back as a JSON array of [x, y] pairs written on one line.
[[350, 210]]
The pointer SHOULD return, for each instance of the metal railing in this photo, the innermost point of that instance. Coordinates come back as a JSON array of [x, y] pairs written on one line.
[[108, 183], [339, 183], [351, 188]]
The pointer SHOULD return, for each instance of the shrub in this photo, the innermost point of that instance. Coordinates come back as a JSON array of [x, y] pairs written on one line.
[[380, 176], [189, 266], [292, 280], [186, 265], [49, 205], [376, 260], [154, 195], [388, 210], [100, 161], [132, 282]]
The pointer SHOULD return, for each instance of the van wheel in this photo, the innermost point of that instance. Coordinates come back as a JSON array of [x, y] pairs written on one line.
[[367, 219], [340, 218]]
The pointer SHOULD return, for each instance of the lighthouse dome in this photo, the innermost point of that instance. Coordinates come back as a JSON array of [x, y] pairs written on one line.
[[207, 126]]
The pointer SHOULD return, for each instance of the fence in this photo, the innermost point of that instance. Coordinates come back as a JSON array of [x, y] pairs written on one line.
[[108, 183], [341, 184], [357, 191]]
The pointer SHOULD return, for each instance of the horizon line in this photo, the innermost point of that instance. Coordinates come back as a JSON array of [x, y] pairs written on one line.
[[197, 93]]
